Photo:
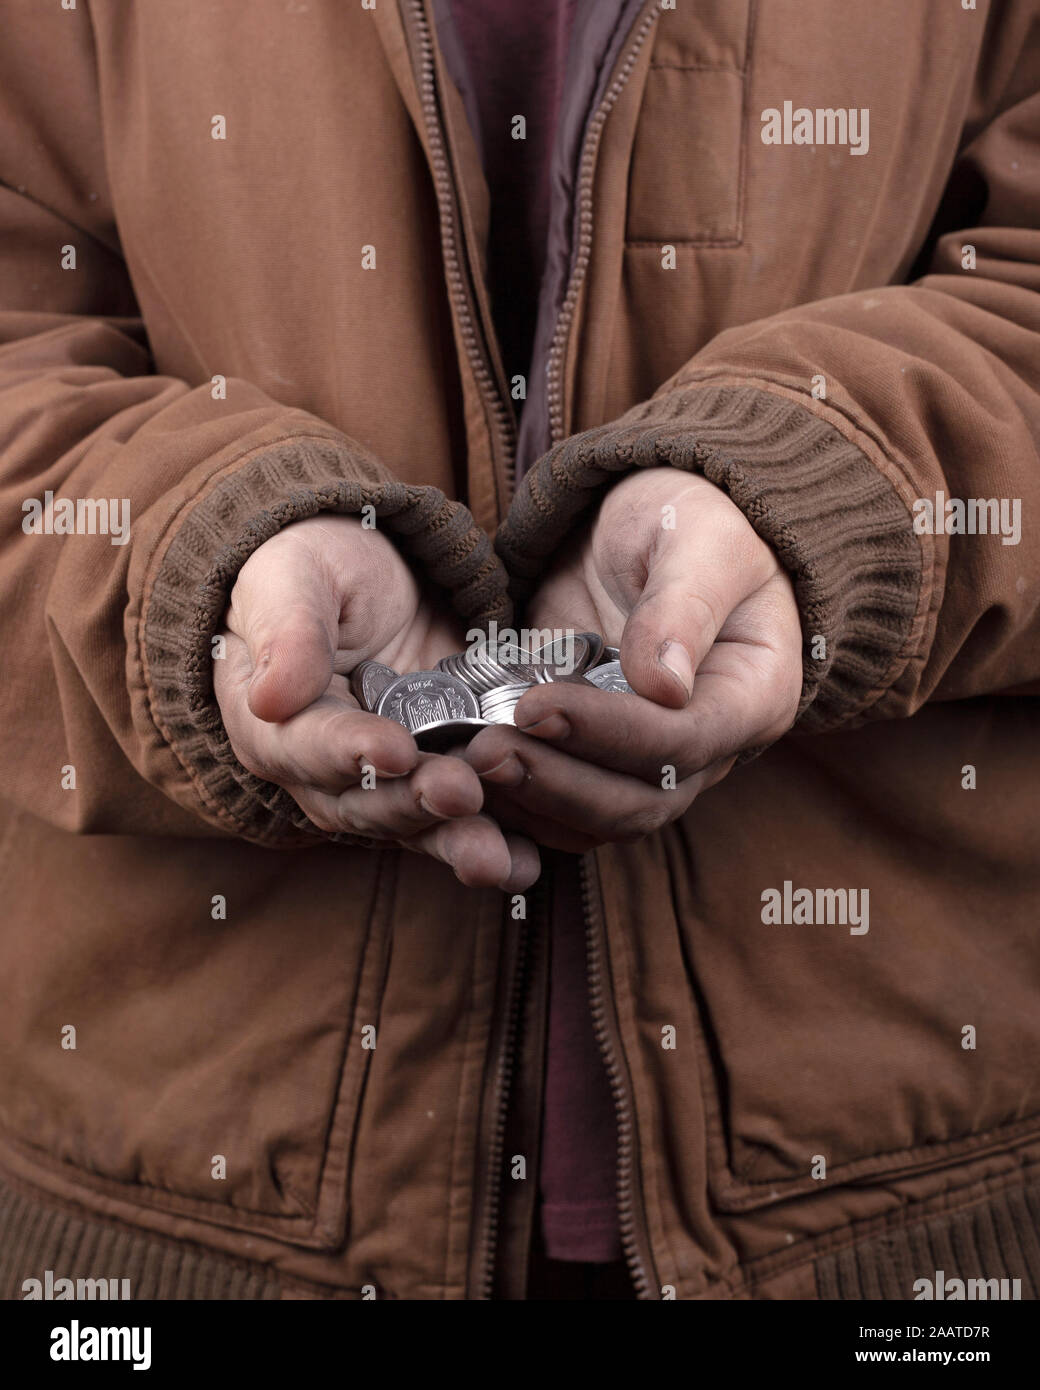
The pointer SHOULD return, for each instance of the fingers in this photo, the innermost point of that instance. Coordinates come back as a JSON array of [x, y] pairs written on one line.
[[481, 855], [434, 811], [602, 805], [525, 863], [352, 772], [697, 574], [397, 808], [542, 828], [746, 693], [326, 746], [639, 739], [623, 733]]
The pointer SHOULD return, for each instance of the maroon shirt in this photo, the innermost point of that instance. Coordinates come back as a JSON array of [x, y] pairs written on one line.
[[513, 52], [508, 58]]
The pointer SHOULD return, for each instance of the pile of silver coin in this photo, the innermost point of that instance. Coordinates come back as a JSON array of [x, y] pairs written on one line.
[[480, 686]]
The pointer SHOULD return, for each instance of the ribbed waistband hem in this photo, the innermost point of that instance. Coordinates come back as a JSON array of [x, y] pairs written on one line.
[[998, 1239], [36, 1237]]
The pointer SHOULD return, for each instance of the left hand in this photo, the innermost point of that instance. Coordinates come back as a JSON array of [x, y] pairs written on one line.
[[670, 571]]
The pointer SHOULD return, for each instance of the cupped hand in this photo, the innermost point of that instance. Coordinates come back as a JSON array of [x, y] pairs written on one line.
[[670, 571], [307, 607]]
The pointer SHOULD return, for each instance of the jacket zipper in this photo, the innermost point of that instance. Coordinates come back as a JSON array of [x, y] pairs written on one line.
[[634, 1238], [631, 1219], [489, 1200], [503, 450], [500, 413], [503, 435], [586, 170]]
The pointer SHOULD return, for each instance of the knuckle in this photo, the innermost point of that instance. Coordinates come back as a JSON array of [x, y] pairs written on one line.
[[786, 704], [640, 823], [319, 816], [352, 819], [703, 613], [258, 766], [351, 823], [773, 731], [496, 742], [716, 773]]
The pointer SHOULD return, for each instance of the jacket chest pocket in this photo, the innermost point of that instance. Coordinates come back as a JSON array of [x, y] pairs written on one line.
[[686, 183]]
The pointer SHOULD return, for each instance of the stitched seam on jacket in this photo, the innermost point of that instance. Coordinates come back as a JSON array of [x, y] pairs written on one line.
[[845, 1237], [197, 1206]]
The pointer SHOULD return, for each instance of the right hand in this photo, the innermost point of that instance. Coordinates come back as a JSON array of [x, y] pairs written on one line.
[[308, 606]]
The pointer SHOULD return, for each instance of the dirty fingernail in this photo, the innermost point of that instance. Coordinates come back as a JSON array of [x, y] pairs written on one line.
[[366, 764], [510, 772], [674, 657], [552, 725]]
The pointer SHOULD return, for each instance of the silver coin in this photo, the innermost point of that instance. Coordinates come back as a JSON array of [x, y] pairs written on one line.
[[506, 688], [474, 669], [608, 654], [455, 667], [501, 713], [504, 716], [507, 664], [595, 645], [609, 677], [559, 675], [452, 664], [565, 658], [435, 738], [369, 680], [485, 671], [421, 698], [498, 705], [498, 700]]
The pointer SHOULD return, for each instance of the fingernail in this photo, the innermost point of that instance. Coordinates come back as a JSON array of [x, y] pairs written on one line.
[[674, 657], [430, 809], [364, 762], [551, 725], [510, 772]]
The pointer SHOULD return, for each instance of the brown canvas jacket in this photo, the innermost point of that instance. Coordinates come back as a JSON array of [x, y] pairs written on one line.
[[189, 323]]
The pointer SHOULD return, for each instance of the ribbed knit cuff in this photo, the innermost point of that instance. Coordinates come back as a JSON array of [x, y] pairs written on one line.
[[292, 480], [834, 520]]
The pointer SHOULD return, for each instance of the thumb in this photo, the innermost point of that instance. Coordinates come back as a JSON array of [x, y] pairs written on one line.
[[687, 598], [289, 621]]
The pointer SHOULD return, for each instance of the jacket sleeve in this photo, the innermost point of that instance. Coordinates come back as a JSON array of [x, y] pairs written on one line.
[[932, 387], [110, 725]]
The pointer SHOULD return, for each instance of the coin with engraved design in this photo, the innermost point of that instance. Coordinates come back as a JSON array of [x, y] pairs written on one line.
[[609, 677], [369, 680], [423, 698]]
